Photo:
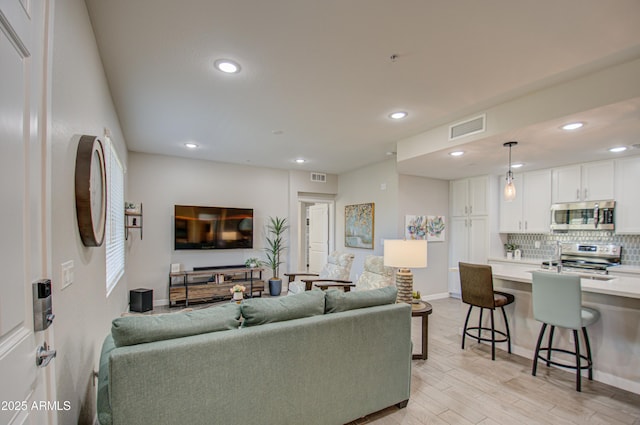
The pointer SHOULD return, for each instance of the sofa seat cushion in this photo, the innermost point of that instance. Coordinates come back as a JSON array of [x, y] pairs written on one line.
[[132, 330], [259, 311], [337, 301]]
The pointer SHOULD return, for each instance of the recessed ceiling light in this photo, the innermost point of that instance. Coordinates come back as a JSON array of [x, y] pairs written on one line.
[[456, 153], [300, 160], [517, 165], [191, 145], [398, 115], [572, 126], [618, 149], [227, 65]]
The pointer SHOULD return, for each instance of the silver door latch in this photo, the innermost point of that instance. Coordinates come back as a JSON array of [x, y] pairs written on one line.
[[44, 355]]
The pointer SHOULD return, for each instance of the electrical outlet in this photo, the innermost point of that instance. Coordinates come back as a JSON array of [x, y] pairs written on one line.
[[537, 244], [66, 273]]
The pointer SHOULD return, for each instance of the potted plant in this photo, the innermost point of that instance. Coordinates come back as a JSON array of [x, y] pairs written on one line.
[[252, 263], [509, 248], [274, 250]]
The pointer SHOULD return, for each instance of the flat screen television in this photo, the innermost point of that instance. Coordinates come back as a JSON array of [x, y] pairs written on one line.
[[212, 227]]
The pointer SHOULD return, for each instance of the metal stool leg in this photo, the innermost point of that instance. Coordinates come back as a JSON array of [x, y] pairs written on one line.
[[549, 345], [466, 322], [537, 353], [578, 374], [493, 338], [588, 347], [480, 324], [506, 324]]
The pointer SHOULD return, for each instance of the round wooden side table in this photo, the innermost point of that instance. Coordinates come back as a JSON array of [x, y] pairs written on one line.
[[422, 309]]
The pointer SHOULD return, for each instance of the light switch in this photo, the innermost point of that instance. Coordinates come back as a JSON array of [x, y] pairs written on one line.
[[537, 244], [66, 274]]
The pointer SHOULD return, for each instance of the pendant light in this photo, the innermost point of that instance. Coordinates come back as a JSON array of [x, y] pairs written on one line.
[[510, 188]]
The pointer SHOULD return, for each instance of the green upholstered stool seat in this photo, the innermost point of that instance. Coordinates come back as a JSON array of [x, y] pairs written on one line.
[[557, 301]]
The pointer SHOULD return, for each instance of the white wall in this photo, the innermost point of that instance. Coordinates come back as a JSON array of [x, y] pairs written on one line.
[[160, 182], [424, 196], [377, 183], [81, 104]]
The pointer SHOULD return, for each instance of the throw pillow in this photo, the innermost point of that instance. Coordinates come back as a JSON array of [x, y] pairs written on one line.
[[336, 301], [259, 311], [131, 330]]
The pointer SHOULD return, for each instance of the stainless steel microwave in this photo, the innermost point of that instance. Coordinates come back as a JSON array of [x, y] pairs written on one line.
[[593, 215]]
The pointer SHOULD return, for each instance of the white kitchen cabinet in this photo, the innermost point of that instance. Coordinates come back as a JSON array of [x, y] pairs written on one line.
[[529, 212], [627, 176], [469, 225], [469, 240], [592, 181], [469, 197]]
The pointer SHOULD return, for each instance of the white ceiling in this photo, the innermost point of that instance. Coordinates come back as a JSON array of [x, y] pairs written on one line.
[[318, 81]]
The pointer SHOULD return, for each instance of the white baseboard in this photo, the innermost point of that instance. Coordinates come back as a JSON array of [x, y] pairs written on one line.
[[435, 296], [160, 303]]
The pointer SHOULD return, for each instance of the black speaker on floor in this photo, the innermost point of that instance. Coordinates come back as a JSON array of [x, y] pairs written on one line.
[[141, 300]]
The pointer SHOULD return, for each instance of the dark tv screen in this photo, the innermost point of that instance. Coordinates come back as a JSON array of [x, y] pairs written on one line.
[[212, 227]]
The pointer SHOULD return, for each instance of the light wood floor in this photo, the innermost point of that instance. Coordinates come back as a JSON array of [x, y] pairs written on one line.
[[456, 386]]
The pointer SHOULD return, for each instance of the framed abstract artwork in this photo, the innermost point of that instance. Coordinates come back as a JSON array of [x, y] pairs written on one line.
[[429, 227], [359, 225], [415, 227], [436, 228]]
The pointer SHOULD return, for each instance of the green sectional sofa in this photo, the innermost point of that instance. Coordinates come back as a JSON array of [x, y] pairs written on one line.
[[312, 358]]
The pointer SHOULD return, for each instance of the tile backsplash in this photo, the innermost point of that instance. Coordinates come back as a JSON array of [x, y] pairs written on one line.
[[526, 242]]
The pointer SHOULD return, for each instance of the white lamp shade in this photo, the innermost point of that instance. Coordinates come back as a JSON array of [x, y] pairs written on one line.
[[405, 254]]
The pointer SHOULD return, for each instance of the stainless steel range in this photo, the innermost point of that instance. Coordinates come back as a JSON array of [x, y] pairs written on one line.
[[585, 258]]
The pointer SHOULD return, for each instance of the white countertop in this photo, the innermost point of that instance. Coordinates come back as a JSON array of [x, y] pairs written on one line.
[[622, 285]]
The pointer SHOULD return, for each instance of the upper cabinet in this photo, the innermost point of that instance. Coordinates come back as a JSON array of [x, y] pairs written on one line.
[[529, 212], [469, 197], [591, 181], [627, 176]]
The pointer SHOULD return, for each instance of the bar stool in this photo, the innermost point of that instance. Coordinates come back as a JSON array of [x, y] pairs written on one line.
[[476, 282], [557, 301]]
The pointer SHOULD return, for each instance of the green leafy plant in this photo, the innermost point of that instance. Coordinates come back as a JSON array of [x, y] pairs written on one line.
[[253, 260], [510, 247], [275, 244]]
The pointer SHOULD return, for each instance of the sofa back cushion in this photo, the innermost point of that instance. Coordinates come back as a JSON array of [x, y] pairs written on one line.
[[259, 311], [337, 301], [131, 330]]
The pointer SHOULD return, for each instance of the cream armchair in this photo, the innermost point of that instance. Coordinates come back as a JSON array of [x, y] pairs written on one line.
[[375, 275], [337, 269]]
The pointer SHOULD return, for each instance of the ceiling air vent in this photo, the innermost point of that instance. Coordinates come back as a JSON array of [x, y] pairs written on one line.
[[319, 177], [467, 128]]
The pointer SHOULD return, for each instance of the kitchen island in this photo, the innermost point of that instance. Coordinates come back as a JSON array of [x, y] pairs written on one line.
[[615, 338]]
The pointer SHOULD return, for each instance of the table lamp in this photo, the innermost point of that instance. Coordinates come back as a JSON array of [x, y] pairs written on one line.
[[405, 255]]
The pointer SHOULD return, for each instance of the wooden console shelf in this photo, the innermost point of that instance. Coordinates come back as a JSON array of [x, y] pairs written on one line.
[[207, 285]]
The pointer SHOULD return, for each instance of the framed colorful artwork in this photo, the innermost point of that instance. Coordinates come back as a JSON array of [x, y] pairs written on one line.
[[415, 227], [436, 228], [359, 226]]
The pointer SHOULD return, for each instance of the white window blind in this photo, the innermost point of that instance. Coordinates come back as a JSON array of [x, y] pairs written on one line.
[[114, 231]]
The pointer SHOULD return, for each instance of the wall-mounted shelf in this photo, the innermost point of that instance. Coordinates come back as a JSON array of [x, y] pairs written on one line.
[[132, 220]]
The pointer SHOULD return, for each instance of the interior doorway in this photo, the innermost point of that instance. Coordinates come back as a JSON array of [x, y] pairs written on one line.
[[316, 231]]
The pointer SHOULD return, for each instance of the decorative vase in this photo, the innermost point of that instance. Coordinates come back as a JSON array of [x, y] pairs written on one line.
[[275, 287], [238, 296]]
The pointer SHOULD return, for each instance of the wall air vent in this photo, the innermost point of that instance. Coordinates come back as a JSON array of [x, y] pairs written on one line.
[[468, 127], [319, 177]]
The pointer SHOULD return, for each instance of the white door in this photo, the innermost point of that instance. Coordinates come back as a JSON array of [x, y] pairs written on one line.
[[318, 237], [27, 392]]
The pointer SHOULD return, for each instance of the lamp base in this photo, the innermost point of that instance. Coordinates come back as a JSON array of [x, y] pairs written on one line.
[[404, 282]]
